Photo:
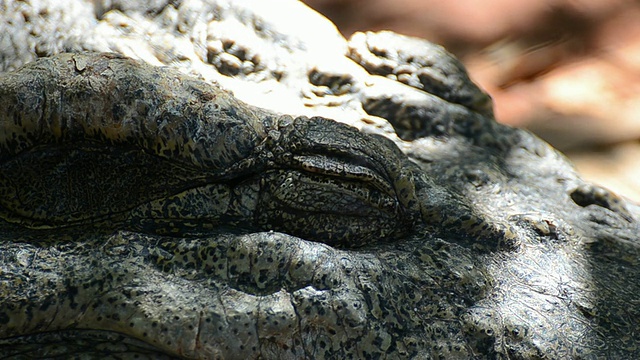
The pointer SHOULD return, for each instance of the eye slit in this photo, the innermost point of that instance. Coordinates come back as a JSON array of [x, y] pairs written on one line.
[[324, 165], [336, 211]]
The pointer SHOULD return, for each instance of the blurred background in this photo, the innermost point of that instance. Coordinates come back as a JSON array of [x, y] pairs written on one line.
[[568, 70]]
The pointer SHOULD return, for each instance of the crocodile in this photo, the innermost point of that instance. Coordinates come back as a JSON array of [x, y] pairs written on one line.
[[378, 211]]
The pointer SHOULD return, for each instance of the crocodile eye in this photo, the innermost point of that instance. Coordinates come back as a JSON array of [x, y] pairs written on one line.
[[336, 185], [337, 211]]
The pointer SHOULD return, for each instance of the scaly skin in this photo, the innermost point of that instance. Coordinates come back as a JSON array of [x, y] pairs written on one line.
[[499, 251], [447, 277], [102, 126]]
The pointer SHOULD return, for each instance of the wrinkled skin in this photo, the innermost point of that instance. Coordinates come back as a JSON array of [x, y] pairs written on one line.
[[507, 253], [104, 126]]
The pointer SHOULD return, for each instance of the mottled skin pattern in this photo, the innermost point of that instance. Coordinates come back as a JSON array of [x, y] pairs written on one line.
[[102, 126], [503, 251]]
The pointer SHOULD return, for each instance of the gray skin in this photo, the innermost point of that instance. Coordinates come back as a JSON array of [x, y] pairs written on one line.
[[163, 257], [482, 243]]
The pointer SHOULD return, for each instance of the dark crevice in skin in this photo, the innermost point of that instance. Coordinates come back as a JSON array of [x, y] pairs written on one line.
[[110, 223], [299, 332], [586, 195], [94, 344]]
